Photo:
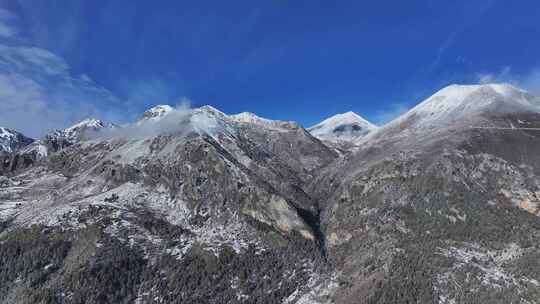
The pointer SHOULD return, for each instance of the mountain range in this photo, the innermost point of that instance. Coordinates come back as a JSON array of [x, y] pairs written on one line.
[[440, 205]]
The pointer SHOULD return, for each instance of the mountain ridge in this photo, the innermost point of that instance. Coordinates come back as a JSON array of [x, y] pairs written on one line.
[[197, 206]]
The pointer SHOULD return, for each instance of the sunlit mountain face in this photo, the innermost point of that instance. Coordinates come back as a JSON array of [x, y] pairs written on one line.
[[265, 210], [269, 152]]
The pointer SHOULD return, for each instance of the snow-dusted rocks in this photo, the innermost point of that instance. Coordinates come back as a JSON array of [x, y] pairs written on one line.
[[345, 127], [212, 138], [11, 140]]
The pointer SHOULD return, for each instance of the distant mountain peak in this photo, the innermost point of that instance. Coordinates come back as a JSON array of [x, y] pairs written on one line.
[[254, 119], [11, 140], [92, 123], [81, 128], [346, 127], [208, 109], [59, 139], [249, 117], [156, 111]]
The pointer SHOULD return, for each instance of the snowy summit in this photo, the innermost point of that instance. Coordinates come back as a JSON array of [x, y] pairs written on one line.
[[156, 112], [342, 127], [11, 140], [455, 104]]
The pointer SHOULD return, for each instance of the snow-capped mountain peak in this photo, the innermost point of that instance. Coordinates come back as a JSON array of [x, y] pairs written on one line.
[[10, 140], [252, 119], [461, 102], [248, 117], [89, 123], [342, 127], [209, 110], [59, 139], [156, 112], [82, 128], [476, 97]]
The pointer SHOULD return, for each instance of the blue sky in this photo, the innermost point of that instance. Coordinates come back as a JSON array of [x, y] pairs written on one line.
[[61, 61]]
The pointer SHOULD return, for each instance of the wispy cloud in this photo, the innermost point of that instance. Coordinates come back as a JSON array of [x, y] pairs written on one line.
[[503, 75], [529, 80], [152, 90], [471, 12], [7, 29], [443, 47], [39, 92], [384, 116], [179, 120]]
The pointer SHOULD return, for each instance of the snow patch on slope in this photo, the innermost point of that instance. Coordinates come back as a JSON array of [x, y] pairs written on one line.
[[490, 268]]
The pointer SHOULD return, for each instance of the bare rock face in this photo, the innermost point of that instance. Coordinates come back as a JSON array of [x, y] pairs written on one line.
[[196, 206]]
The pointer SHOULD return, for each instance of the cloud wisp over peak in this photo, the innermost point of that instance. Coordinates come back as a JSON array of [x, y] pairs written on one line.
[[529, 80]]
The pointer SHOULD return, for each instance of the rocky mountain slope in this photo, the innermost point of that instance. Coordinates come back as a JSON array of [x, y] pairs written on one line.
[[441, 205], [187, 200]]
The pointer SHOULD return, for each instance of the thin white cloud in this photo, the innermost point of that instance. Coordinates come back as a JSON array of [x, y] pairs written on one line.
[[384, 116], [7, 29], [23, 59], [500, 76], [471, 12], [529, 80], [178, 120], [448, 42], [38, 91], [150, 90]]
